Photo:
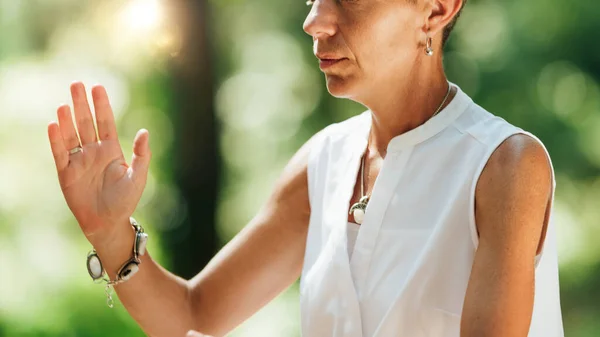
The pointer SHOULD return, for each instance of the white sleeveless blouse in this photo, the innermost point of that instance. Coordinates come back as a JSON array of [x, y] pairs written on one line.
[[408, 271]]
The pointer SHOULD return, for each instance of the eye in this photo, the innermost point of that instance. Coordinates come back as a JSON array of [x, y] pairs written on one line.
[[310, 2]]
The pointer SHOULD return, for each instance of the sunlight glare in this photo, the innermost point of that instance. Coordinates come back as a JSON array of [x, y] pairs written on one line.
[[142, 16]]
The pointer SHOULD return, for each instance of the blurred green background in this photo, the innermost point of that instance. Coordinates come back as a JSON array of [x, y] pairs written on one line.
[[229, 90]]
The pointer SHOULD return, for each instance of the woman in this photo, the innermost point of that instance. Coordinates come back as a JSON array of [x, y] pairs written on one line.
[[423, 216]]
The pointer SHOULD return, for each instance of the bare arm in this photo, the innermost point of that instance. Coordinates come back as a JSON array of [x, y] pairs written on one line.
[[512, 198], [260, 262], [102, 190]]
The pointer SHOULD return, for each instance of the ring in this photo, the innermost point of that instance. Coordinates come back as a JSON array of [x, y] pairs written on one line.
[[75, 150]]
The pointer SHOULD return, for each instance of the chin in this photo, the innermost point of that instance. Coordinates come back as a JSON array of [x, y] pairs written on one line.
[[340, 87]]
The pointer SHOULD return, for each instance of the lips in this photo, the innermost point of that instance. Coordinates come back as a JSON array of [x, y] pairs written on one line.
[[326, 63], [329, 60]]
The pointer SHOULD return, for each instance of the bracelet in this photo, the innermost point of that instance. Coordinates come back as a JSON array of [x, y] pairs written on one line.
[[127, 270]]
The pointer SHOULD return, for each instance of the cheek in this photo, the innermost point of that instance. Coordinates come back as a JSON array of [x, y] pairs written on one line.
[[380, 39]]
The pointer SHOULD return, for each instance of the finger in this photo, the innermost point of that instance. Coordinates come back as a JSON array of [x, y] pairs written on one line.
[[83, 115], [105, 119], [67, 128], [59, 151], [141, 157]]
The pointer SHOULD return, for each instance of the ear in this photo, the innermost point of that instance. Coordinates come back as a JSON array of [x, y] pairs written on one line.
[[441, 12]]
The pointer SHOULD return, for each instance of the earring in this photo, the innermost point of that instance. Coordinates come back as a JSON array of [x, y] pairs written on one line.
[[429, 49]]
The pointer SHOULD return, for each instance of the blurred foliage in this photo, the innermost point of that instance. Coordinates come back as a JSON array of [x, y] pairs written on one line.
[[535, 63]]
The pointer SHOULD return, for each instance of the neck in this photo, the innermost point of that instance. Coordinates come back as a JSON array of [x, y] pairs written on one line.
[[406, 102]]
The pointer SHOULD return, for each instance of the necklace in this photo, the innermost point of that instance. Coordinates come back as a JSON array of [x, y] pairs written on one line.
[[358, 209]]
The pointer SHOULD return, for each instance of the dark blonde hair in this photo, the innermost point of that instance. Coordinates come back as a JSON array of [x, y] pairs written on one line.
[[450, 26]]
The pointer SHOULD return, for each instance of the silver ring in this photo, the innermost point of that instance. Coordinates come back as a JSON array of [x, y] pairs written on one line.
[[75, 150]]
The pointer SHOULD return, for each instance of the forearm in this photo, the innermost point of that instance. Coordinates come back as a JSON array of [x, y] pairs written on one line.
[[156, 299]]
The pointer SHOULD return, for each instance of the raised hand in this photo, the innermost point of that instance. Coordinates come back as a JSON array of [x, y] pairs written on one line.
[[100, 188]]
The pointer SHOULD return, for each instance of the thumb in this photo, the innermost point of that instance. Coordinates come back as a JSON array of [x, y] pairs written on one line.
[[141, 157]]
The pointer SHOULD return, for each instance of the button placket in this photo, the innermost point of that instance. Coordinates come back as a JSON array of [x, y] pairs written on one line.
[[383, 190]]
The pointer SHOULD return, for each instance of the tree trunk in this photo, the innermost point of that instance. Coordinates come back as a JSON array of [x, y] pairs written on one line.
[[196, 160]]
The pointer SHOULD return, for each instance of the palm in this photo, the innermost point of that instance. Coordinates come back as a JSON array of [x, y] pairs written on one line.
[[100, 188], [97, 186]]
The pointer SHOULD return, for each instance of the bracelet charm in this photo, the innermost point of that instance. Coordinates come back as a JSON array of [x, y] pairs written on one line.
[[94, 266]]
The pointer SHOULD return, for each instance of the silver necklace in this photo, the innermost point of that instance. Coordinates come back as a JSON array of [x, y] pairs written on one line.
[[359, 208]]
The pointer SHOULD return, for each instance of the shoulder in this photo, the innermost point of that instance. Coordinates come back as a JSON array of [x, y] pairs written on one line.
[[523, 153], [484, 126], [518, 164], [504, 146]]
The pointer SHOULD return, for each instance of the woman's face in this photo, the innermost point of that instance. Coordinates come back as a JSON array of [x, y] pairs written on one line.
[[364, 44]]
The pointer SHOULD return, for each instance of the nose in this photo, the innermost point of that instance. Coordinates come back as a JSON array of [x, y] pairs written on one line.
[[321, 20]]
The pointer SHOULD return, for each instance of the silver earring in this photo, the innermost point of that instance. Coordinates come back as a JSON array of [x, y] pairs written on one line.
[[429, 49]]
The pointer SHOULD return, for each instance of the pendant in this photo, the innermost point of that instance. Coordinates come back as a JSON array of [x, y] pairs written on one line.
[[359, 208]]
